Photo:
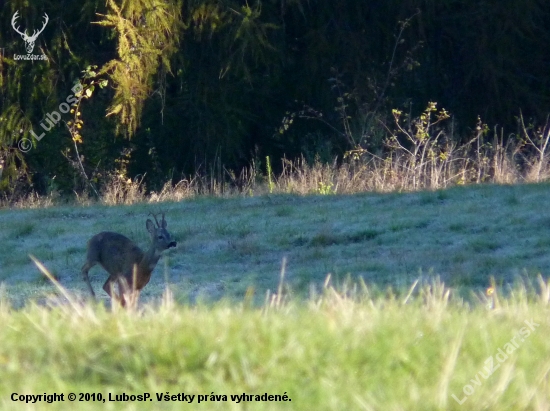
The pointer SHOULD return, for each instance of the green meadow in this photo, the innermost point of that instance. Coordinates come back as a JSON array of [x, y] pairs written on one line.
[[434, 300]]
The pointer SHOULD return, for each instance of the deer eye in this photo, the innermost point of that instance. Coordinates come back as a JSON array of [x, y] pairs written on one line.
[[160, 237]]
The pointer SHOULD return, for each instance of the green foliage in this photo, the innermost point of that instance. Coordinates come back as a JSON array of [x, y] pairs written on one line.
[[212, 80], [12, 162], [147, 33], [326, 188]]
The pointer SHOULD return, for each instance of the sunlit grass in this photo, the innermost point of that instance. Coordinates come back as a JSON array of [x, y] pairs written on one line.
[[342, 348]]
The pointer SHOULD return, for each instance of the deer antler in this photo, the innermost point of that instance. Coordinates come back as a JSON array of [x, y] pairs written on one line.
[[36, 33], [29, 41], [163, 221], [155, 217], [13, 21]]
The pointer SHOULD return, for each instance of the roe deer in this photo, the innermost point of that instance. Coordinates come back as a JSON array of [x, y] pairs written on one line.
[[127, 264]]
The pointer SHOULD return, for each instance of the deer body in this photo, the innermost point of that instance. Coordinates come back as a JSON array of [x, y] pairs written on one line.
[[128, 266]]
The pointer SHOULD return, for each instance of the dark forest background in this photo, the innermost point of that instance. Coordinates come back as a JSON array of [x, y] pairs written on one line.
[[199, 87]]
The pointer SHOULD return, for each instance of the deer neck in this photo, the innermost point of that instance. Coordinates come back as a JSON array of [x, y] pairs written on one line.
[[150, 259]]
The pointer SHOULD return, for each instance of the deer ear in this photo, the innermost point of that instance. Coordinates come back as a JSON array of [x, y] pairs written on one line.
[[150, 226]]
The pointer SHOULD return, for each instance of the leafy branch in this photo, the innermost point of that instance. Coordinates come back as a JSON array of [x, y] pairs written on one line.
[[83, 89]]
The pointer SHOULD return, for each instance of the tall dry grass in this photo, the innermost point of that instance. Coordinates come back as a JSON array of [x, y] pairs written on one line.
[[435, 163], [418, 156]]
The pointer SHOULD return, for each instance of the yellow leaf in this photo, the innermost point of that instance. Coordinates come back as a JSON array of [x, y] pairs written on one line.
[[116, 109]]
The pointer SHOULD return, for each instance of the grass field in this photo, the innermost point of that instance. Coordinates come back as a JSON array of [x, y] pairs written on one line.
[[465, 235], [228, 326]]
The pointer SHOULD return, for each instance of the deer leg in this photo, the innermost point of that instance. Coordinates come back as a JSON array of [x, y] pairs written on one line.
[[109, 288], [122, 286], [85, 268]]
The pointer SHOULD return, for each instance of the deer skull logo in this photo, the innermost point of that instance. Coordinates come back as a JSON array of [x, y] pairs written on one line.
[[29, 40]]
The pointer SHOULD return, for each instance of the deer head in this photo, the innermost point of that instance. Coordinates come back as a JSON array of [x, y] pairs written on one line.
[[29, 40], [160, 237]]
